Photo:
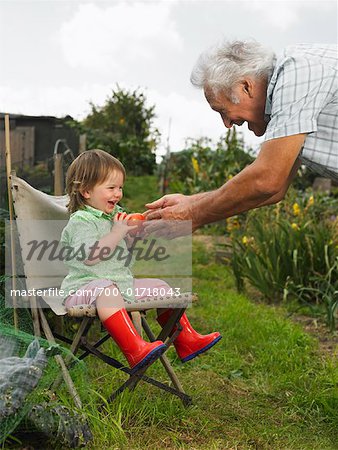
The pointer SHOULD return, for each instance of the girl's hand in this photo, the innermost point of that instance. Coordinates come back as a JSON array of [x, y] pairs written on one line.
[[129, 240], [121, 224]]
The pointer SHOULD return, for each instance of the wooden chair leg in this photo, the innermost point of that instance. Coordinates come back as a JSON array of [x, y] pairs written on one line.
[[82, 331], [35, 315], [164, 359], [66, 376], [164, 334]]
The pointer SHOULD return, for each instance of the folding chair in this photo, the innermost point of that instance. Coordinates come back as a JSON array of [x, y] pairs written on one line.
[[33, 205]]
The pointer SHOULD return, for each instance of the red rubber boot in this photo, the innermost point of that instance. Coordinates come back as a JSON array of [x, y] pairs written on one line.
[[138, 352], [189, 343]]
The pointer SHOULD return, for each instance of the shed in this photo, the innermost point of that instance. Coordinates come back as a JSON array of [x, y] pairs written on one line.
[[33, 138]]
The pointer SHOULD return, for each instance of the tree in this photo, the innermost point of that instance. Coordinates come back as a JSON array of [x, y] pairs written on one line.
[[123, 126]]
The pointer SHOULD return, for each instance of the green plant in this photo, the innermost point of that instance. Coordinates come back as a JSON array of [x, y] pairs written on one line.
[[123, 126], [204, 166], [38, 176], [321, 289], [289, 252]]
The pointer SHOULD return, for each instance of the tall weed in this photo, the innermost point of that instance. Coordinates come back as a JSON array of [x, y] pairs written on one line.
[[291, 251]]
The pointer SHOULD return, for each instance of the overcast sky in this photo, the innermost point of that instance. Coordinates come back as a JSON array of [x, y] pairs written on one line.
[[58, 55]]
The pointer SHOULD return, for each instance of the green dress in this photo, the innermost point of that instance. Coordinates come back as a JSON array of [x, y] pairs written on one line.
[[84, 229]]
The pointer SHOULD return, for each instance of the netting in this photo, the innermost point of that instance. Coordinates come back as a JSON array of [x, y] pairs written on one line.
[[27, 372]]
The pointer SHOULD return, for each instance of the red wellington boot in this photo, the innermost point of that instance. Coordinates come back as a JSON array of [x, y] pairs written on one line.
[[138, 352], [189, 343]]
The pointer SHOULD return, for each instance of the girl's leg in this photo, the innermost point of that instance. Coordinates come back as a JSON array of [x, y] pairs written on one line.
[[114, 317], [150, 287], [188, 343], [109, 302]]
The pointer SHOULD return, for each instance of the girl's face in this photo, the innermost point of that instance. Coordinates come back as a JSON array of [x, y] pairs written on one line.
[[106, 195]]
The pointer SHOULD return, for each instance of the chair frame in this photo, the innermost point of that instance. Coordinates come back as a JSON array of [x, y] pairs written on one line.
[[80, 342], [167, 335]]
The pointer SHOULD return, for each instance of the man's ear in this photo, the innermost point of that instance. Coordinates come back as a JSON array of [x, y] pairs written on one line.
[[248, 87]]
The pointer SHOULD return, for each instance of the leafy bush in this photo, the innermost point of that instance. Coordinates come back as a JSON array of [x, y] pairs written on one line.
[[290, 251], [202, 166], [123, 126], [38, 176]]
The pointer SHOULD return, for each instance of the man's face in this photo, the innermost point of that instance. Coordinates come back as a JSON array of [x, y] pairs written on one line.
[[250, 109]]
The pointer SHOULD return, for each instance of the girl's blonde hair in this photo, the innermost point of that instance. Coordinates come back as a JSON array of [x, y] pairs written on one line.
[[90, 168]]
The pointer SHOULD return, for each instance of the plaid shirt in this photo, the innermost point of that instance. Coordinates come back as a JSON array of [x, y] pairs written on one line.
[[302, 97]]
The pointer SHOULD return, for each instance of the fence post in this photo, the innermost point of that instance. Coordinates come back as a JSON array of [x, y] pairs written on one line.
[[11, 214], [58, 174]]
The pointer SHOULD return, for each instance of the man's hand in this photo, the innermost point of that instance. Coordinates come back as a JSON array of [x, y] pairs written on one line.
[[169, 216], [169, 207]]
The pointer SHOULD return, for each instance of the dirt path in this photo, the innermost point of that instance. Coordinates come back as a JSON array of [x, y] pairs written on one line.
[[328, 342]]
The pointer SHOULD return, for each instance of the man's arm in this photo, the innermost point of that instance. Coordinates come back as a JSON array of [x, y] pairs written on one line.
[[281, 194], [260, 183], [263, 182]]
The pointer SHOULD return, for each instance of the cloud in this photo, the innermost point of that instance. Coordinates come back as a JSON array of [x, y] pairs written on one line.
[[283, 15], [189, 118], [279, 14], [52, 100], [184, 116], [105, 38]]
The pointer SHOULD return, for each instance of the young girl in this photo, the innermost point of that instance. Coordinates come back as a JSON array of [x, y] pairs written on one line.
[[96, 227]]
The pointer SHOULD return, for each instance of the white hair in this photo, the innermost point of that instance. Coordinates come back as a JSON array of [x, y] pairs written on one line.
[[224, 64]]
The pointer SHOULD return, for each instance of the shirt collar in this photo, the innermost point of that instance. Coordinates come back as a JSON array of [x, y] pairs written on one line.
[[98, 213], [270, 86]]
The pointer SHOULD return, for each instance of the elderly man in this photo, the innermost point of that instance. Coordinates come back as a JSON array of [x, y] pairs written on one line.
[[293, 100]]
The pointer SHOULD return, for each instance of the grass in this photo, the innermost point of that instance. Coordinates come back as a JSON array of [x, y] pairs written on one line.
[[264, 386], [138, 191]]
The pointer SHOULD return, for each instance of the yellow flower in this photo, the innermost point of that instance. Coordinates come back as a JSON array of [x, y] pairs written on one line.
[[232, 223], [294, 226], [296, 209], [245, 240], [195, 164], [311, 201], [122, 121]]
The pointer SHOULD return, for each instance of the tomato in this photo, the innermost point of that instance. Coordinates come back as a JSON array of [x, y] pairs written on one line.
[[135, 219]]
